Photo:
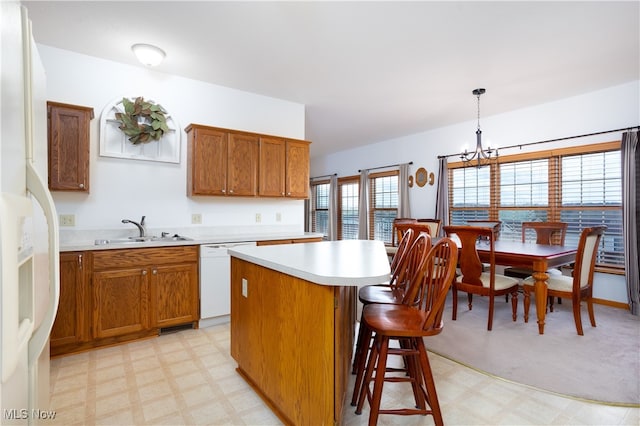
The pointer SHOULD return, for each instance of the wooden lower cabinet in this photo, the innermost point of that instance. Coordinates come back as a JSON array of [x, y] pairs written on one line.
[[124, 294], [300, 365], [71, 326], [120, 302], [174, 300], [289, 241]]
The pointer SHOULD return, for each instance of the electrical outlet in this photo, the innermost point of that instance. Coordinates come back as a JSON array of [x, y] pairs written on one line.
[[245, 287], [196, 219], [258, 218], [278, 217], [67, 220]]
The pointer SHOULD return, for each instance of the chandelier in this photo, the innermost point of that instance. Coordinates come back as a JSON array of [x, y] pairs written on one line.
[[479, 154]]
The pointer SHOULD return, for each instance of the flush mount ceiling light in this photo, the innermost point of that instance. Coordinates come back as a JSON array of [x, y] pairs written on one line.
[[479, 153], [148, 54]]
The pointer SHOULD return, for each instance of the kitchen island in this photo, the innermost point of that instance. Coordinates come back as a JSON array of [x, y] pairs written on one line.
[[293, 314]]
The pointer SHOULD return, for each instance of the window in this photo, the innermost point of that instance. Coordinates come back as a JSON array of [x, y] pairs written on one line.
[[383, 199], [320, 207], [348, 198], [579, 185], [592, 195]]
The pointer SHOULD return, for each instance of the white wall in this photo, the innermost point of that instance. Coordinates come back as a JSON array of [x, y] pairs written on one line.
[[124, 188], [613, 108]]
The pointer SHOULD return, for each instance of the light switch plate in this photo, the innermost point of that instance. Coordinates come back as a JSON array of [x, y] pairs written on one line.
[[67, 220], [245, 287], [196, 219]]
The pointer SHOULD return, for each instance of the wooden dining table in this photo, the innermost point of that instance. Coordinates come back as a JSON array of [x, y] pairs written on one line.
[[538, 257]]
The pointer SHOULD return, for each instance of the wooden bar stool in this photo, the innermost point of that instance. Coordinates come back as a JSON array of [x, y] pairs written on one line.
[[388, 294], [419, 315]]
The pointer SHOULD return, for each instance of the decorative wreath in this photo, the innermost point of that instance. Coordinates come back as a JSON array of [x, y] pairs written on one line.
[[143, 121]]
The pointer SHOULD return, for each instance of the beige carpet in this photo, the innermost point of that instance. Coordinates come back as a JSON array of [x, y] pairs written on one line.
[[603, 365]]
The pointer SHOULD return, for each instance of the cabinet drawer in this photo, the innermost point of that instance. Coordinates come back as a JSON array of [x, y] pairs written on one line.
[[125, 258]]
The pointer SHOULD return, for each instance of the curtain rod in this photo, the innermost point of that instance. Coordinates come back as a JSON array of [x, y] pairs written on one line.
[[323, 176], [551, 140], [384, 167]]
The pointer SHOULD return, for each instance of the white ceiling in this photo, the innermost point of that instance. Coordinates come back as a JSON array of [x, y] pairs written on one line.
[[368, 71]]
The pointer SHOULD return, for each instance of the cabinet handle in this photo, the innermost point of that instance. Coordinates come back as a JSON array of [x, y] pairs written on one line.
[[144, 272], [231, 191], [288, 193], [80, 261], [224, 191], [154, 272], [81, 186]]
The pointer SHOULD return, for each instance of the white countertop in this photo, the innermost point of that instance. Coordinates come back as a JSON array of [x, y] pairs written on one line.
[[86, 240], [341, 263]]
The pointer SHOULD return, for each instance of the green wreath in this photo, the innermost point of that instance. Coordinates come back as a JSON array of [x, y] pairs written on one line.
[[142, 121]]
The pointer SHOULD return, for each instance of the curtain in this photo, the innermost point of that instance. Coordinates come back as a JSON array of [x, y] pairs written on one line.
[[363, 207], [630, 223], [442, 194], [332, 231], [404, 208], [307, 210]]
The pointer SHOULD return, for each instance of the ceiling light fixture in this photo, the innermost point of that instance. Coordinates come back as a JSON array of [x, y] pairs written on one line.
[[148, 54], [479, 153]]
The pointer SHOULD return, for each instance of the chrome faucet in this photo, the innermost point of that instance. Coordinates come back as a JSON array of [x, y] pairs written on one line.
[[139, 225]]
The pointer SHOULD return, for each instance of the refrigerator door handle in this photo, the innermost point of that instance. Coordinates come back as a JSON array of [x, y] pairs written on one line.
[[40, 192]]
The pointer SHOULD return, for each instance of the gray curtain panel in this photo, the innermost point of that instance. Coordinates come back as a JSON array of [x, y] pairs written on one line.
[[630, 223], [332, 232], [442, 195], [404, 208], [307, 211], [363, 208]]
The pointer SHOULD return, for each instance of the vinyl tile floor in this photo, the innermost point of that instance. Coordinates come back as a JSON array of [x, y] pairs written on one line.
[[189, 378]]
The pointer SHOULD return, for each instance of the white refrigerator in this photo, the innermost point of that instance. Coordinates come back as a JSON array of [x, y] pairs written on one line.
[[29, 275]]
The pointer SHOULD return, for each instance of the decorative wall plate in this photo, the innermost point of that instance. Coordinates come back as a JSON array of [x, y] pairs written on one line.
[[421, 177], [114, 143]]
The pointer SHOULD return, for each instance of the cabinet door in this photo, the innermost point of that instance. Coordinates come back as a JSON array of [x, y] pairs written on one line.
[[297, 169], [70, 325], [272, 167], [174, 295], [120, 302], [207, 161], [242, 164], [68, 139]]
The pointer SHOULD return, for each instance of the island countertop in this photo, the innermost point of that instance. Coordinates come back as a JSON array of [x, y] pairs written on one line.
[[332, 263]]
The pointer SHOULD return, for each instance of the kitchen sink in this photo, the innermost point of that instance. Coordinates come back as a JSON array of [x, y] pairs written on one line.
[[138, 240]]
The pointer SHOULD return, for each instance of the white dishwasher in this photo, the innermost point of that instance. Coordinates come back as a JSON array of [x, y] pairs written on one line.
[[215, 282]]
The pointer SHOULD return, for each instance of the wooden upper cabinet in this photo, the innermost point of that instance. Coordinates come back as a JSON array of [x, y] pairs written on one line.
[[220, 162], [284, 168], [242, 164], [297, 169], [230, 162], [68, 146], [273, 157], [206, 161]]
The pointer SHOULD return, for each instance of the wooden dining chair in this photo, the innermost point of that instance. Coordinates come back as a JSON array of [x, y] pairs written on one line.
[[419, 316], [393, 291], [577, 288], [547, 233], [486, 223], [434, 226], [472, 279], [396, 234]]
